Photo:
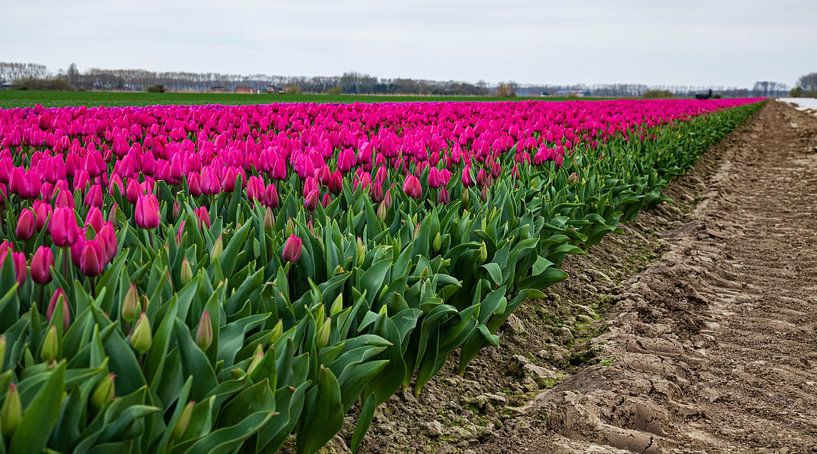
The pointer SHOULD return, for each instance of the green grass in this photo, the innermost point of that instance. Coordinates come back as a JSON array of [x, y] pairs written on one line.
[[21, 98]]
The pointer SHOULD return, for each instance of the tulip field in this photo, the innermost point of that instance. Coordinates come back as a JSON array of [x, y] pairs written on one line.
[[240, 278]]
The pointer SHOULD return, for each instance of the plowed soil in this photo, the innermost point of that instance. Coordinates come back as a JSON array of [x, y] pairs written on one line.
[[693, 331]]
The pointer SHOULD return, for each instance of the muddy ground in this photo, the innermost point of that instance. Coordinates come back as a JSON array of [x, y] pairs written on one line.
[[693, 331]]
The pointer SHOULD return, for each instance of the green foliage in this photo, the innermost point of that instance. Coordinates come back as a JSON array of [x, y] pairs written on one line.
[[372, 305]]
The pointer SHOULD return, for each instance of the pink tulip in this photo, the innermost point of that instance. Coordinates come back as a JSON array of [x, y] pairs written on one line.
[[92, 258], [41, 265], [59, 297], [203, 215], [26, 225], [292, 249], [146, 213], [412, 188], [63, 227]]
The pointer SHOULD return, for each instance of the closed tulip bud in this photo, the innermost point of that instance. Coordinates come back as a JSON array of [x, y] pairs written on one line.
[[217, 249], [437, 243], [26, 225], [104, 392], [311, 200], [142, 337], [50, 347], [204, 332], [184, 420], [257, 356], [361, 252], [443, 197], [292, 249], [41, 265], [382, 212], [186, 273], [337, 305], [11, 413], [269, 220], [59, 298], [323, 333], [112, 213], [290, 227], [2, 351], [277, 330], [466, 196], [94, 219], [92, 258], [146, 213], [483, 252], [130, 305], [204, 216]]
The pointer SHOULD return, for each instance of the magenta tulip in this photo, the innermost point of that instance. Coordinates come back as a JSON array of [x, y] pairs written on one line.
[[63, 227], [146, 214], [26, 225], [92, 258], [412, 188], [292, 249], [59, 297], [41, 265]]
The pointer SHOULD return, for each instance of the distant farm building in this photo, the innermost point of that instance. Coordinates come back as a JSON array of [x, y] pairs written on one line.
[[244, 89]]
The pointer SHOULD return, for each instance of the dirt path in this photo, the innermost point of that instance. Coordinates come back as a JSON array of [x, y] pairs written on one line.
[[715, 346], [710, 344]]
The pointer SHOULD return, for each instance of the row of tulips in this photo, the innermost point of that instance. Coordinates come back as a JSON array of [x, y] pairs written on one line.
[[213, 279]]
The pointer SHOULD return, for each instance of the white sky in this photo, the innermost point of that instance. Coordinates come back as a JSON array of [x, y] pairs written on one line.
[[694, 42]]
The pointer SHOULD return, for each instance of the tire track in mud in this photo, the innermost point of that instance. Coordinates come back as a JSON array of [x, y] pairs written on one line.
[[714, 346]]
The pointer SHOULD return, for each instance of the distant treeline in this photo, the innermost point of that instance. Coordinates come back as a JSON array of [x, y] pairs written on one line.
[[34, 76]]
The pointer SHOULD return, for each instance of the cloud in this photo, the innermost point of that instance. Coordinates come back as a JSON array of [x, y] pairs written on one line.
[[592, 41]]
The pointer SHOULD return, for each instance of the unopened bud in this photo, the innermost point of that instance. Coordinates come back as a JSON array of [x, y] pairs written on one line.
[[130, 305], [142, 337], [323, 333], [218, 248], [204, 332], [51, 346], [277, 331], [337, 305], [256, 359], [186, 273], [269, 219], [483, 252], [437, 243], [184, 420], [11, 413], [104, 392]]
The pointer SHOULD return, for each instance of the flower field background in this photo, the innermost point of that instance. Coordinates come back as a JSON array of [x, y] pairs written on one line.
[[208, 278]]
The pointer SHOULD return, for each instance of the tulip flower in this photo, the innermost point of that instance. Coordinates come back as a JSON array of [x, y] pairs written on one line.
[[412, 188], [59, 297], [41, 265], [292, 249], [104, 392], [92, 258], [204, 332], [311, 200], [11, 413], [203, 215], [26, 225], [63, 227], [42, 210], [141, 337], [146, 213]]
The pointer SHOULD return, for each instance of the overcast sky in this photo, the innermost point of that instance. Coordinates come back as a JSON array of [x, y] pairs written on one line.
[[695, 42]]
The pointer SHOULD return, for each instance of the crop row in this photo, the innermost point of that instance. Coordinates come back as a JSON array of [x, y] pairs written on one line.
[[213, 278]]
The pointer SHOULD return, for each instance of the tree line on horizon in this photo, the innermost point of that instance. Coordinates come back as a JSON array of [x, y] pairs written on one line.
[[36, 76]]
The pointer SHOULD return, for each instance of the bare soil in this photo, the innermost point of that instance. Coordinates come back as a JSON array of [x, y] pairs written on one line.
[[693, 331]]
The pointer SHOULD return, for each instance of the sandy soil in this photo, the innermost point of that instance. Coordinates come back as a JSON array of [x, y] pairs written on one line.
[[693, 331]]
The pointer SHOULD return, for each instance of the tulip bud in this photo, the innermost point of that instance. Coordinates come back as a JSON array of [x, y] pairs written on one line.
[[217, 249], [466, 196], [290, 227], [292, 249], [58, 297], [177, 209], [437, 243], [112, 213], [2, 351], [142, 337], [204, 332], [50, 348], [382, 212], [483, 252], [11, 413], [130, 305], [269, 220], [186, 273], [361, 252], [277, 330], [323, 333], [184, 420], [26, 225], [256, 359], [337, 305], [41, 265], [104, 392]]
